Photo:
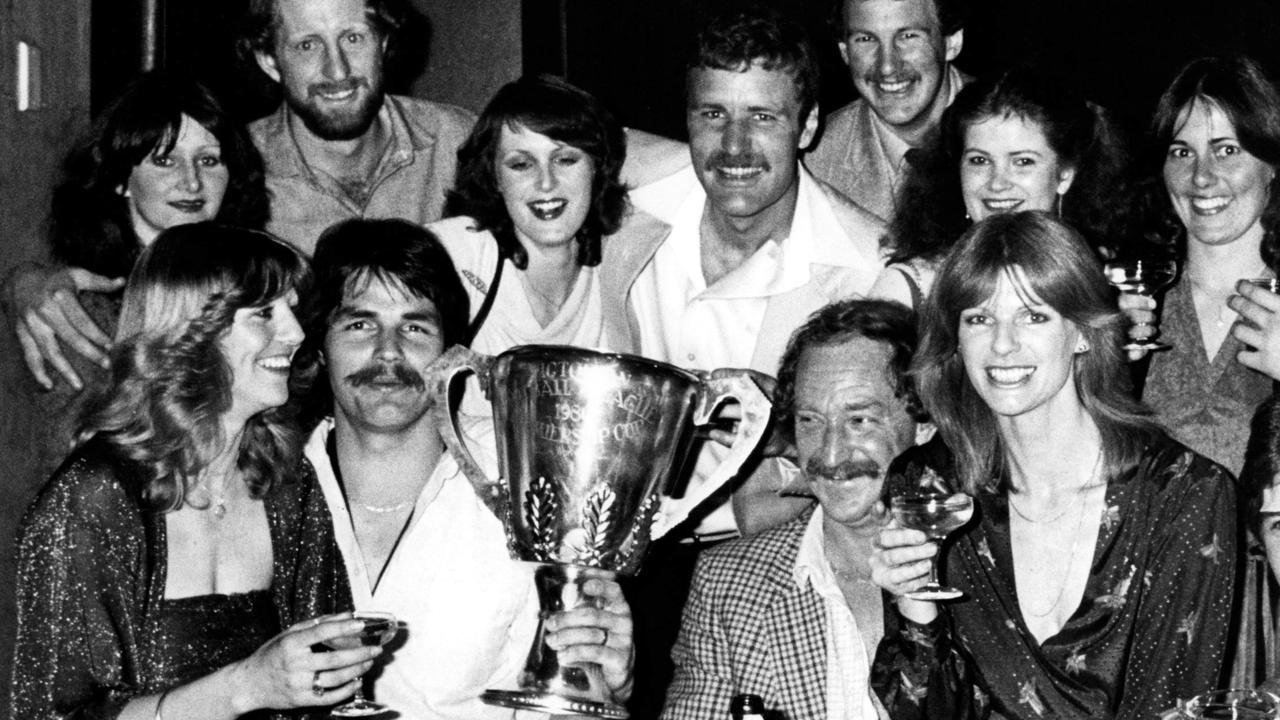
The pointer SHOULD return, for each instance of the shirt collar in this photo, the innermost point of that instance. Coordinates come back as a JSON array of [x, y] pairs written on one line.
[[894, 147], [811, 566], [776, 267], [283, 157]]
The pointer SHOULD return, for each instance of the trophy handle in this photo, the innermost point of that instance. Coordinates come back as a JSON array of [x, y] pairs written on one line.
[[444, 371], [751, 431]]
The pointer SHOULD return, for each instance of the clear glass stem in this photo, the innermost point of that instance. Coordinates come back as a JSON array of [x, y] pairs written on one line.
[[933, 567]]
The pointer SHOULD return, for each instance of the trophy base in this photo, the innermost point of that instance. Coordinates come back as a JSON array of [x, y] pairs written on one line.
[[553, 704]]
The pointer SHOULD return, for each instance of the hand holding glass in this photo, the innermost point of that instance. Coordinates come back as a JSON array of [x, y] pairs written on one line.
[[1142, 277], [379, 628], [937, 516]]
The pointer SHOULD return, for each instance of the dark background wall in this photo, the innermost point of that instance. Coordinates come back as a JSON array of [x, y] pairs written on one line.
[[630, 52]]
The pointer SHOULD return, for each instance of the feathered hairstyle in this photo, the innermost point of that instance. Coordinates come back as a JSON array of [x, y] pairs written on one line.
[[1060, 270], [566, 114], [89, 223], [170, 384]]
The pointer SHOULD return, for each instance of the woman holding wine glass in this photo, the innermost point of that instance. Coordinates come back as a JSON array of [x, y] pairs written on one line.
[[1099, 567], [1210, 203], [180, 564]]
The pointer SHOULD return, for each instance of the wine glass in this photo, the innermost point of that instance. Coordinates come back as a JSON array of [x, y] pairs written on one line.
[[379, 628], [1143, 277], [1239, 704], [936, 515]]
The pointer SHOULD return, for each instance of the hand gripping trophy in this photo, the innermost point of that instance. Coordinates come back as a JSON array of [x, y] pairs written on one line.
[[588, 444]]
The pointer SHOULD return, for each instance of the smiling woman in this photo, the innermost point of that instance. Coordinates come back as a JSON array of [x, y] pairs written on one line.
[[1016, 141], [1211, 162], [1100, 568], [163, 154], [179, 562], [540, 206]]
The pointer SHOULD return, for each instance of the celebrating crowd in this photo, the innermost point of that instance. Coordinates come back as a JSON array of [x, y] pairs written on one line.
[[238, 329]]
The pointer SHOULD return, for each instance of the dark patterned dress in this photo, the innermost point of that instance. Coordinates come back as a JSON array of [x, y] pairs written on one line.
[[94, 628], [1151, 628]]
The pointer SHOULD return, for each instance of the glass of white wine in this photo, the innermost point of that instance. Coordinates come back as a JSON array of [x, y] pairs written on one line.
[[936, 515], [379, 628], [1142, 276]]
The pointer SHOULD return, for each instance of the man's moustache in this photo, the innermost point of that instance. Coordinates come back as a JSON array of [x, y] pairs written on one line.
[[846, 470], [722, 160], [382, 374]]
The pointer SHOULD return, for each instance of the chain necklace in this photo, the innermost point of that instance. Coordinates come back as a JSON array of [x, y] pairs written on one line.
[[1075, 537], [383, 509], [1079, 493]]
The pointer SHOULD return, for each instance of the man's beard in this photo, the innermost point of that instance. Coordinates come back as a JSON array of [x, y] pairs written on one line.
[[344, 124]]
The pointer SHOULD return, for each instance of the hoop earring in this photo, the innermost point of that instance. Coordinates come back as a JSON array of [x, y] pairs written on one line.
[[1058, 207]]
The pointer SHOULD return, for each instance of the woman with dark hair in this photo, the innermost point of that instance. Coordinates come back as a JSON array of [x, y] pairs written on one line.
[[1099, 567], [1210, 202], [162, 154], [159, 564], [1016, 141], [542, 206]]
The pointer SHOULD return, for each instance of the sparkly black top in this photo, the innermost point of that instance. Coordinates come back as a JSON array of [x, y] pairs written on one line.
[[94, 628], [1151, 626]]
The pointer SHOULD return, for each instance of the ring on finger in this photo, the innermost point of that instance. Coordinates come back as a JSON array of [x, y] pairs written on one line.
[[605, 639], [316, 688]]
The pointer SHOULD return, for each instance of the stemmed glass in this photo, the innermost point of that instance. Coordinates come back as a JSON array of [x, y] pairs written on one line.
[[936, 515], [1239, 704], [379, 628], [1142, 276]]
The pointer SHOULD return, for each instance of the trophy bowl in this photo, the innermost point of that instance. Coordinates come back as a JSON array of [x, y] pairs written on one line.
[[588, 445]]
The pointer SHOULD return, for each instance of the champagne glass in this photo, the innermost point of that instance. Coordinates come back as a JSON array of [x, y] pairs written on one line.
[[379, 628], [1143, 277], [1238, 704], [936, 515]]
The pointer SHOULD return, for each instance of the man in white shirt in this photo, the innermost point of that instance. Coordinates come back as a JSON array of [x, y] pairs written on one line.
[[791, 614], [756, 245], [899, 54], [416, 540]]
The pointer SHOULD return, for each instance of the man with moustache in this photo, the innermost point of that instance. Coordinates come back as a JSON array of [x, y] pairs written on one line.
[[756, 245], [899, 54], [791, 614], [339, 147], [416, 540]]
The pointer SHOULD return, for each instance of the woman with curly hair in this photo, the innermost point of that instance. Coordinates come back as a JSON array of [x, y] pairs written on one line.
[[162, 154], [541, 206], [160, 564], [1211, 203], [1016, 141]]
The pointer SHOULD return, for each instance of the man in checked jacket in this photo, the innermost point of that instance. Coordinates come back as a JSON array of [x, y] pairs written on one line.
[[791, 614]]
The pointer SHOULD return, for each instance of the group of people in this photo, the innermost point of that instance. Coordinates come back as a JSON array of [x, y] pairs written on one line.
[[235, 327]]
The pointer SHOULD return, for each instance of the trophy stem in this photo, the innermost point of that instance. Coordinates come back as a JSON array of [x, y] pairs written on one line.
[[546, 685]]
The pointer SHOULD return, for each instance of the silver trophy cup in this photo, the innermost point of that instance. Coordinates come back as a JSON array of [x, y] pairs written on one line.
[[588, 444]]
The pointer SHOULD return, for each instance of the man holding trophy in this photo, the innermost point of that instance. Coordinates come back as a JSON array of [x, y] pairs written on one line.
[[416, 539]]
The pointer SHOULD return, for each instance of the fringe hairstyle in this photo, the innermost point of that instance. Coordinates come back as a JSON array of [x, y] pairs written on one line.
[[89, 223], [549, 106], [1062, 272], [170, 384]]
